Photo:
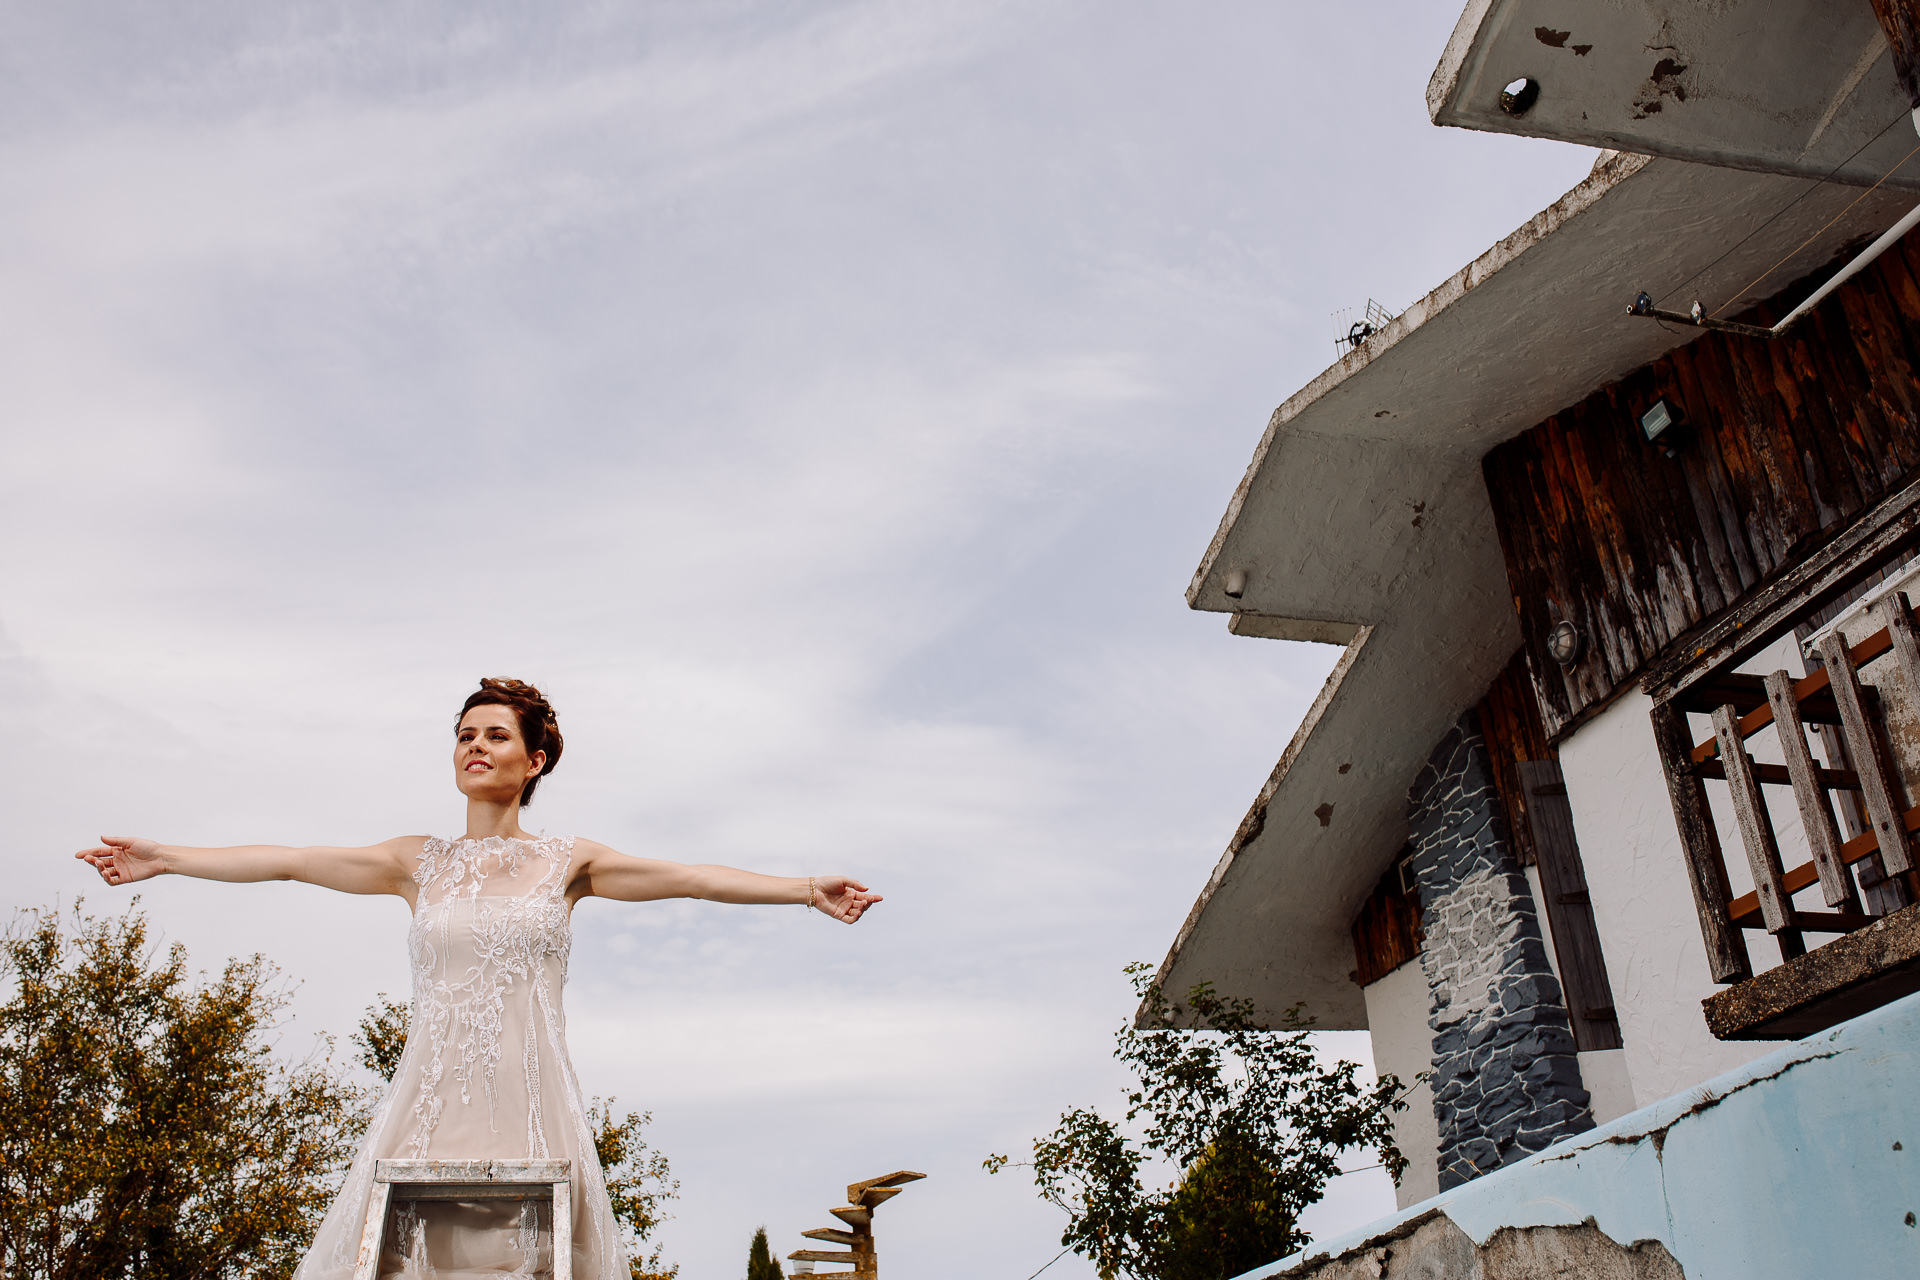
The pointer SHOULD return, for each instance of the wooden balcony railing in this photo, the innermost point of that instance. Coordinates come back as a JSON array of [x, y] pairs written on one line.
[[1833, 695], [1857, 876], [1861, 772]]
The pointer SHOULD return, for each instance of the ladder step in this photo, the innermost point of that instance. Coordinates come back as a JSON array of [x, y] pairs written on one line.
[[889, 1180]]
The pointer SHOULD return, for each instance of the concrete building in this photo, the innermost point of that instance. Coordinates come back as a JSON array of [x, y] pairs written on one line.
[[1612, 787]]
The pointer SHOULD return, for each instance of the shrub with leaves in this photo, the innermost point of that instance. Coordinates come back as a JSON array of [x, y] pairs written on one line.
[[1251, 1117], [145, 1127]]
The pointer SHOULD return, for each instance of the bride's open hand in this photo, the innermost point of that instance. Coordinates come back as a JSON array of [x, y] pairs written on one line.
[[123, 859], [843, 899]]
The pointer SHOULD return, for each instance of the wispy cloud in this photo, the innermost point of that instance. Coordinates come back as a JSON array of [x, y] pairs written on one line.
[[827, 404]]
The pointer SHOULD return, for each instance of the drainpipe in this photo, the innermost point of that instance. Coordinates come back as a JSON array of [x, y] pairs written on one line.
[[1643, 305], [1900, 21]]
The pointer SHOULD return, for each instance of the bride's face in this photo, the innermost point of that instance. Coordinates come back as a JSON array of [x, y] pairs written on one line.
[[490, 760]]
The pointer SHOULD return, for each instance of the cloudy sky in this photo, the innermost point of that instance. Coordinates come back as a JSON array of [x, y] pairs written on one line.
[[826, 403]]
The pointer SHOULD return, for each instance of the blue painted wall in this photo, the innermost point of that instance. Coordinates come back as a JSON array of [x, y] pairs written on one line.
[[1800, 1165]]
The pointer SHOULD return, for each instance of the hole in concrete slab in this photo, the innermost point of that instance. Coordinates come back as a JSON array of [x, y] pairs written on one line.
[[1519, 95]]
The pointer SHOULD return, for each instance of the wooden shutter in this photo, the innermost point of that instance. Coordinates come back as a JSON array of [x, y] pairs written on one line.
[[1386, 933], [1563, 883], [1509, 720]]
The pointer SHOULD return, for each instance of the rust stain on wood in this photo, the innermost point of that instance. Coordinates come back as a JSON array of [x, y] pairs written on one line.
[[1509, 721], [1782, 446], [1386, 933]]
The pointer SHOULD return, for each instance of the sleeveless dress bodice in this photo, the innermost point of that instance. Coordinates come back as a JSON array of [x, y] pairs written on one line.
[[484, 1075]]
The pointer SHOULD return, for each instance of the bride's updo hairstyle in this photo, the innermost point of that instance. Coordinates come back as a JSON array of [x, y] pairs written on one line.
[[539, 729]]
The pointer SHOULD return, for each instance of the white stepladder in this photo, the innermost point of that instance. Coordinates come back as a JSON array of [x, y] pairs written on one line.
[[403, 1180]]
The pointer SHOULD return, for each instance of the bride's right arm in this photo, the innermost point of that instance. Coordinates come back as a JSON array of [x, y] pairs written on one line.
[[386, 867]]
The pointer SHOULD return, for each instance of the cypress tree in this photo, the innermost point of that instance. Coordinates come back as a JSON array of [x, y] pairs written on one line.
[[761, 1264]]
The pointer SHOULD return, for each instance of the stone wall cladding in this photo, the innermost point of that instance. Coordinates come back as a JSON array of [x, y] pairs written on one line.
[[1506, 1082]]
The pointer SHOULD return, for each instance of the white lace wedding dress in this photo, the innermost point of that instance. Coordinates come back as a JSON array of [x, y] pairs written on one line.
[[485, 1075]]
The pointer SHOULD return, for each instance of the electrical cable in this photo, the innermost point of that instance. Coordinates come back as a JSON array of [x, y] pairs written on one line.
[[1050, 1261], [1816, 235], [1782, 211]]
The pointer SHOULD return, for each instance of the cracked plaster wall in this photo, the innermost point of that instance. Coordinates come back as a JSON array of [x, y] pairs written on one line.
[[1506, 1081], [1803, 1164], [1434, 1248]]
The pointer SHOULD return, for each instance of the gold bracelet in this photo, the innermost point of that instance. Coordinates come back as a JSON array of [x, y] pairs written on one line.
[[810, 893]]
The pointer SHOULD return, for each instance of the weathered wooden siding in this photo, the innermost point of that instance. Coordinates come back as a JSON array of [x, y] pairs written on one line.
[[1785, 441], [1509, 719], [1386, 933]]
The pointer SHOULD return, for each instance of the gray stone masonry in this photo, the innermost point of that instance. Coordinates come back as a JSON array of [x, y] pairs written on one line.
[[1506, 1082]]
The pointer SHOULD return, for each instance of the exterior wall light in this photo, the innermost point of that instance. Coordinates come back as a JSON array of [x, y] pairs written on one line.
[[1564, 643], [1518, 96], [1660, 425], [1236, 583], [1657, 419]]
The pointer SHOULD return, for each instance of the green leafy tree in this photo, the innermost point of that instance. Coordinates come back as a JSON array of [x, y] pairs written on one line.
[[639, 1179], [1251, 1118], [145, 1127], [639, 1182], [382, 1036], [761, 1264]]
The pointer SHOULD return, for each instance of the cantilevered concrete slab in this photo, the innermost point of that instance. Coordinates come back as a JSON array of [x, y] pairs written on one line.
[[1364, 518], [1756, 84]]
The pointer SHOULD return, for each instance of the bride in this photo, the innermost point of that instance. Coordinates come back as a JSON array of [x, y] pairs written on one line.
[[485, 1074]]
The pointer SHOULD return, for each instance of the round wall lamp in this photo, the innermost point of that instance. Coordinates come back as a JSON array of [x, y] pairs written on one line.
[[1236, 583], [1519, 95], [1564, 643]]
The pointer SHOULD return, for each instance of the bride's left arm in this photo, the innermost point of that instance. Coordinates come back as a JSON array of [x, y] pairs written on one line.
[[600, 872]]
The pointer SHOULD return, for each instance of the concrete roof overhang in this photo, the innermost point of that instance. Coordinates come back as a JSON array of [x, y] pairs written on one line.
[[1754, 84], [1364, 519]]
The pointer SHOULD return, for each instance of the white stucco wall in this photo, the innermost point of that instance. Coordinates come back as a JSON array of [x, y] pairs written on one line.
[[1403, 1045], [1540, 914], [1603, 1074], [1649, 932]]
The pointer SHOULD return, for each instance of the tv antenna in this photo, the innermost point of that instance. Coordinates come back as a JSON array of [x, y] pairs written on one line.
[[1349, 333]]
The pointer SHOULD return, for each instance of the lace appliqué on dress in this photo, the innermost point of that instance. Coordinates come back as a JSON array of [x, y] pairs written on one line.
[[461, 1008], [484, 1075]]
